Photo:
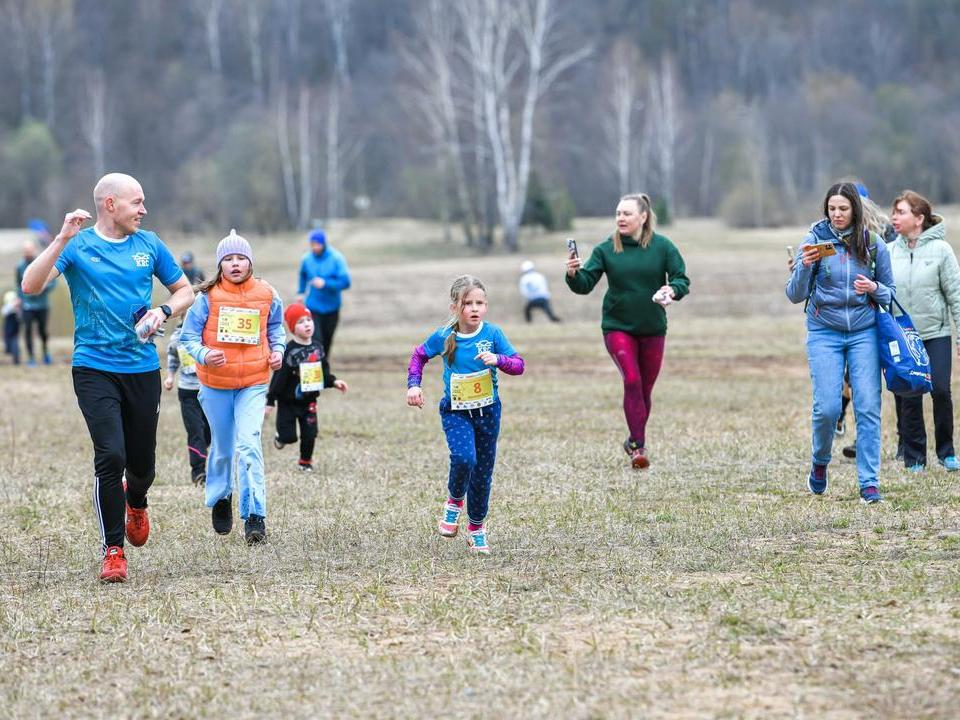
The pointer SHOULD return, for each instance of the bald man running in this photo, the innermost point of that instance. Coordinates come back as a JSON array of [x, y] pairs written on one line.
[[109, 269]]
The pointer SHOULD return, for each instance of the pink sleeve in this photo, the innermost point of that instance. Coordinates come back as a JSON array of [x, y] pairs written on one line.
[[510, 364], [418, 360]]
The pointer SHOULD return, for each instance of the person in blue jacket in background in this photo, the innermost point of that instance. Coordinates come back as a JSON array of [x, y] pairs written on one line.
[[323, 277]]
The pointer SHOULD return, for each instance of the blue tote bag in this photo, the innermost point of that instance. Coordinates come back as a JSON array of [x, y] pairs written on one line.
[[903, 356]]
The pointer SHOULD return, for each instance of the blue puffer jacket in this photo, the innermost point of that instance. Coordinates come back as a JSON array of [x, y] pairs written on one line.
[[332, 267], [834, 303]]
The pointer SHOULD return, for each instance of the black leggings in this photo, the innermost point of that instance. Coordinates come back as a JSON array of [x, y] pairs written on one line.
[[121, 410], [289, 415], [38, 318], [914, 432], [198, 431], [326, 325]]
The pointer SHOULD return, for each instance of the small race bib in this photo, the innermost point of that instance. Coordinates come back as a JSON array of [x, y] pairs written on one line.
[[239, 325], [311, 377], [471, 390], [187, 363]]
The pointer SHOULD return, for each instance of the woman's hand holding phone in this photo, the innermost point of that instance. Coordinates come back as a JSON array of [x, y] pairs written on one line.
[[811, 253]]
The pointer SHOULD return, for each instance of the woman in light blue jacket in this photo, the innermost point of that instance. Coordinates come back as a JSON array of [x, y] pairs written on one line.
[[928, 278], [842, 269]]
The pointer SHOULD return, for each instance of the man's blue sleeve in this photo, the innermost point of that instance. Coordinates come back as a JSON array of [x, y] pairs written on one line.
[[166, 268]]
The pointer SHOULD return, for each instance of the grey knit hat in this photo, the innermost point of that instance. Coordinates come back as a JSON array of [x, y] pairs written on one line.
[[233, 244]]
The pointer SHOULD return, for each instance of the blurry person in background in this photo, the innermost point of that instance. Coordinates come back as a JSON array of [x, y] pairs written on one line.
[[928, 286], [34, 309], [194, 274], [11, 326], [323, 278], [533, 287]]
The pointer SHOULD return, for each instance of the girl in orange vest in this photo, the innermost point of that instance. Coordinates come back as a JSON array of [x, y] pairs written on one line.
[[234, 330]]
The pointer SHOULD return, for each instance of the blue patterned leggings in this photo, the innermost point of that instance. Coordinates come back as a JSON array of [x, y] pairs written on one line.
[[472, 439]]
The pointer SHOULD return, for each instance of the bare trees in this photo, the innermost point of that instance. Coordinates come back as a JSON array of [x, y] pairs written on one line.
[[508, 55]]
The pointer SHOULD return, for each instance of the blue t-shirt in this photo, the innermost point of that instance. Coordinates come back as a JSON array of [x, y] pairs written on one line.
[[486, 338], [109, 280]]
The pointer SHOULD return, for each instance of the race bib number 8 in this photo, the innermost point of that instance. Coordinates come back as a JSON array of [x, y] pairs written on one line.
[[471, 390], [311, 377], [239, 325]]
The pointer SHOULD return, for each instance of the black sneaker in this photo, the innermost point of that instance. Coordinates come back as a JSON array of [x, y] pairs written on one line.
[[222, 516], [849, 451], [277, 444], [200, 478], [254, 530]]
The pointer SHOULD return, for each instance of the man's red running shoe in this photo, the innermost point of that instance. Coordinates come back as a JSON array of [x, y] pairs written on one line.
[[137, 528], [114, 565]]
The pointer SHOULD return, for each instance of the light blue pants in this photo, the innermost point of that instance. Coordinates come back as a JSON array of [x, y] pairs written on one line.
[[828, 352], [236, 418]]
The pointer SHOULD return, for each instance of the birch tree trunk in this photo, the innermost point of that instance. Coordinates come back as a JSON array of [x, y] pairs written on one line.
[[306, 152], [286, 156], [509, 46], [93, 122], [338, 12]]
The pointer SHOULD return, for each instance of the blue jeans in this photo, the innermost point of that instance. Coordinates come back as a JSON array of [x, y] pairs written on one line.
[[472, 439], [236, 418], [828, 352]]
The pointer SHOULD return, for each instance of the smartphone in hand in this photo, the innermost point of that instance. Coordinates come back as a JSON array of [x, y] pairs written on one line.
[[826, 249], [572, 248]]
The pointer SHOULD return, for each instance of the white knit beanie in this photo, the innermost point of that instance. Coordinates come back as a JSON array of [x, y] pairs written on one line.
[[233, 244]]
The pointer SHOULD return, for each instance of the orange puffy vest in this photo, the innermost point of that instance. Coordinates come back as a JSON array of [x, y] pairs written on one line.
[[246, 364]]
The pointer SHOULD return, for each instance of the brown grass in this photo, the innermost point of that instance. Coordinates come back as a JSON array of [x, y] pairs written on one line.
[[712, 585]]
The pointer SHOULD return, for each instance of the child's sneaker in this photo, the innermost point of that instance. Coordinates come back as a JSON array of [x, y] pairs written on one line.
[[950, 463], [817, 479], [305, 465], [450, 520], [638, 456], [254, 530], [114, 567], [277, 444], [200, 479], [221, 515], [477, 541], [870, 495]]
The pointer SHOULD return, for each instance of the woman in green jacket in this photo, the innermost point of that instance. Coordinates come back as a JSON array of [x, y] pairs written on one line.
[[928, 286], [645, 273]]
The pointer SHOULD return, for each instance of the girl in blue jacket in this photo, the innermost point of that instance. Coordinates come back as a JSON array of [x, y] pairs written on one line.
[[843, 286]]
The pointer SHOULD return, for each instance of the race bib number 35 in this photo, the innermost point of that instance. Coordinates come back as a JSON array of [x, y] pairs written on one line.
[[239, 325], [311, 377], [471, 390]]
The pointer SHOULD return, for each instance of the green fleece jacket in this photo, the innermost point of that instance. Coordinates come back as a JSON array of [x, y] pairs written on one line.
[[633, 276], [928, 281]]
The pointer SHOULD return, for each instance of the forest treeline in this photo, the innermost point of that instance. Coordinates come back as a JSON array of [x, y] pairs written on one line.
[[277, 114]]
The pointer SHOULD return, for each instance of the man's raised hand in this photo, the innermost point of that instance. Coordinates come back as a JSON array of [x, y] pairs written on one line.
[[72, 222]]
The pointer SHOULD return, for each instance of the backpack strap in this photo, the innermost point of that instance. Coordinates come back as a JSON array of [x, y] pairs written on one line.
[[813, 282]]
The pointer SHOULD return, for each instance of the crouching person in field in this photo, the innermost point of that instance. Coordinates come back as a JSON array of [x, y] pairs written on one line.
[[839, 269]]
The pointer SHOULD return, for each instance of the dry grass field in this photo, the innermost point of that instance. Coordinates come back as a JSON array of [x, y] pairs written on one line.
[[712, 585]]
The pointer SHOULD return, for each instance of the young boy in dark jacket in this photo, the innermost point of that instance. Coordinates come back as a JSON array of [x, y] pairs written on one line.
[[295, 387]]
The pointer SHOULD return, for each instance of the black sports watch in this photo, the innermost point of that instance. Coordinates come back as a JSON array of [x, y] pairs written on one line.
[[166, 310]]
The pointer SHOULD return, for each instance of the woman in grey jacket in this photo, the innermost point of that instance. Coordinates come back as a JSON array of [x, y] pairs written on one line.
[[840, 267], [928, 281]]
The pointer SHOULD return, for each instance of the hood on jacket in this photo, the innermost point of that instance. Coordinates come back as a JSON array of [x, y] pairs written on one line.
[[934, 232]]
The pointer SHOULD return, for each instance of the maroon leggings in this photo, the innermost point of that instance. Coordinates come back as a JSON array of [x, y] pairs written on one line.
[[638, 357]]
